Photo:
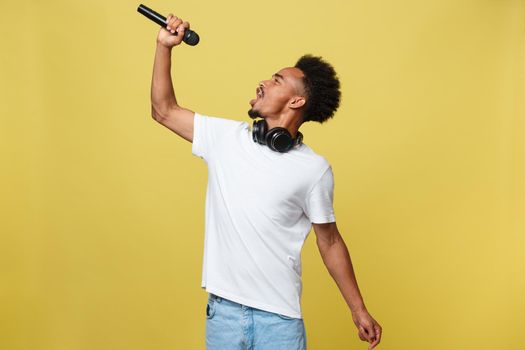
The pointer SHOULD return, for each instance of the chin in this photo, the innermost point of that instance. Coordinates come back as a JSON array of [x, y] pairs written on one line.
[[254, 114]]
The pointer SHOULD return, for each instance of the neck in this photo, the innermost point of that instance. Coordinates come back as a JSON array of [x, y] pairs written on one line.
[[290, 122]]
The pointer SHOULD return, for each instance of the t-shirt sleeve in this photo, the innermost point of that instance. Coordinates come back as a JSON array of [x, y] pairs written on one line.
[[319, 202], [207, 131]]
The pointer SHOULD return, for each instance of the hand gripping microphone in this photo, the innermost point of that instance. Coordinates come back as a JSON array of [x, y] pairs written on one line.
[[190, 37]]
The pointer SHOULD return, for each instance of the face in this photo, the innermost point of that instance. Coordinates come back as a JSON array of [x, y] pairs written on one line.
[[274, 96]]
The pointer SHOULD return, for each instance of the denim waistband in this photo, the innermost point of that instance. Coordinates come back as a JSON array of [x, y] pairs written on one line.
[[216, 297], [226, 301]]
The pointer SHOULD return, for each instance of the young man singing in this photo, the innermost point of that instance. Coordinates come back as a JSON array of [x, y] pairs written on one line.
[[266, 189]]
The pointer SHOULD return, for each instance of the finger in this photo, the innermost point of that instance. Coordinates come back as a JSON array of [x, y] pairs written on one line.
[[173, 24], [373, 344], [169, 19], [371, 332], [377, 337], [180, 31], [186, 24], [365, 333], [378, 332], [181, 28], [361, 336]]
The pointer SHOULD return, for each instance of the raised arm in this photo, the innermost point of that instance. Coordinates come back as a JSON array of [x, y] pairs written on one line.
[[164, 106]]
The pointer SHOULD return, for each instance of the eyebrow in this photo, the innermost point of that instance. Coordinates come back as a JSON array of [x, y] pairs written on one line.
[[278, 76]]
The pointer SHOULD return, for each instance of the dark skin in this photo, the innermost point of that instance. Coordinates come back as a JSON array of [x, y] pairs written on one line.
[[281, 99], [281, 104]]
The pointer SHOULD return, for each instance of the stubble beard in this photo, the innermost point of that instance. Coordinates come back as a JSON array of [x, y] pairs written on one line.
[[254, 113]]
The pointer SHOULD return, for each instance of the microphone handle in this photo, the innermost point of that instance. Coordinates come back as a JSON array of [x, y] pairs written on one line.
[[190, 37]]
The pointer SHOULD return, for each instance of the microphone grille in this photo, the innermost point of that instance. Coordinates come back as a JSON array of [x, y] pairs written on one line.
[[191, 38]]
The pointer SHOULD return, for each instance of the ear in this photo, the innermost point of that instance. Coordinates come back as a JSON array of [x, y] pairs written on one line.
[[296, 102]]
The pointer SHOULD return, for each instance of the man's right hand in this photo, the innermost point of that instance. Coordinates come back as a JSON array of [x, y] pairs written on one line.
[[166, 36]]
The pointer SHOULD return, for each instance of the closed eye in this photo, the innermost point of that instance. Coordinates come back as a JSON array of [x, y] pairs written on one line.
[[277, 77]]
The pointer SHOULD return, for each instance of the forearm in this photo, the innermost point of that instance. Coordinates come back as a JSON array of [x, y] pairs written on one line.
[[339, 264], [162, 93]]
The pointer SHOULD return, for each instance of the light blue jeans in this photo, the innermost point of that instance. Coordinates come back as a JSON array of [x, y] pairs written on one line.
[[233, 326]]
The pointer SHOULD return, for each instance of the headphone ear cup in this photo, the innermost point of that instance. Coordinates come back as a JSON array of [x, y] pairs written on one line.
[[279, 139], [259, 131], [299, 138]]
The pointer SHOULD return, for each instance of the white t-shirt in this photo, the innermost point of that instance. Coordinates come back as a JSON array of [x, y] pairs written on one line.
[[260, 206]]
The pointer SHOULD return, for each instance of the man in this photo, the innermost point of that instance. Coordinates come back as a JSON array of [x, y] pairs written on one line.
[[266, 189]]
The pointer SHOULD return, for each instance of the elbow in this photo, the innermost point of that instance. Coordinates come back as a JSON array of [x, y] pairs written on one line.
[[159, 113], [155, 114]]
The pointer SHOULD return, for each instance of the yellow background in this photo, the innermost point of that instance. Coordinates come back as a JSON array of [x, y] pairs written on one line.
[[102, 208]]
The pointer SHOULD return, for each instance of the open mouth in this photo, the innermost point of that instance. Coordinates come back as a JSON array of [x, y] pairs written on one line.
[[259, 92]]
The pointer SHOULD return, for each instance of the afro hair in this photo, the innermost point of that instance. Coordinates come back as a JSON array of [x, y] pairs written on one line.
[[322, 88]]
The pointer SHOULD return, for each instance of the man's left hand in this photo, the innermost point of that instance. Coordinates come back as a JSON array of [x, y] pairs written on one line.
[[369, 329]]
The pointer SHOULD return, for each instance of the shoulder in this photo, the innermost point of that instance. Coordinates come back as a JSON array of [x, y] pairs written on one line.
[[218, 125], [314, 159], [216, 120]]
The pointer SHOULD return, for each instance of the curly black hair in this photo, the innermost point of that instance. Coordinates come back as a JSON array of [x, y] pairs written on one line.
[[322, 88]]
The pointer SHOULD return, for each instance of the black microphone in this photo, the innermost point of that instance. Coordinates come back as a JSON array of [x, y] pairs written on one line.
[[190, 37]]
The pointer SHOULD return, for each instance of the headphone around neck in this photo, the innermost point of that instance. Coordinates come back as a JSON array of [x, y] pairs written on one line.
[[278, 139]]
